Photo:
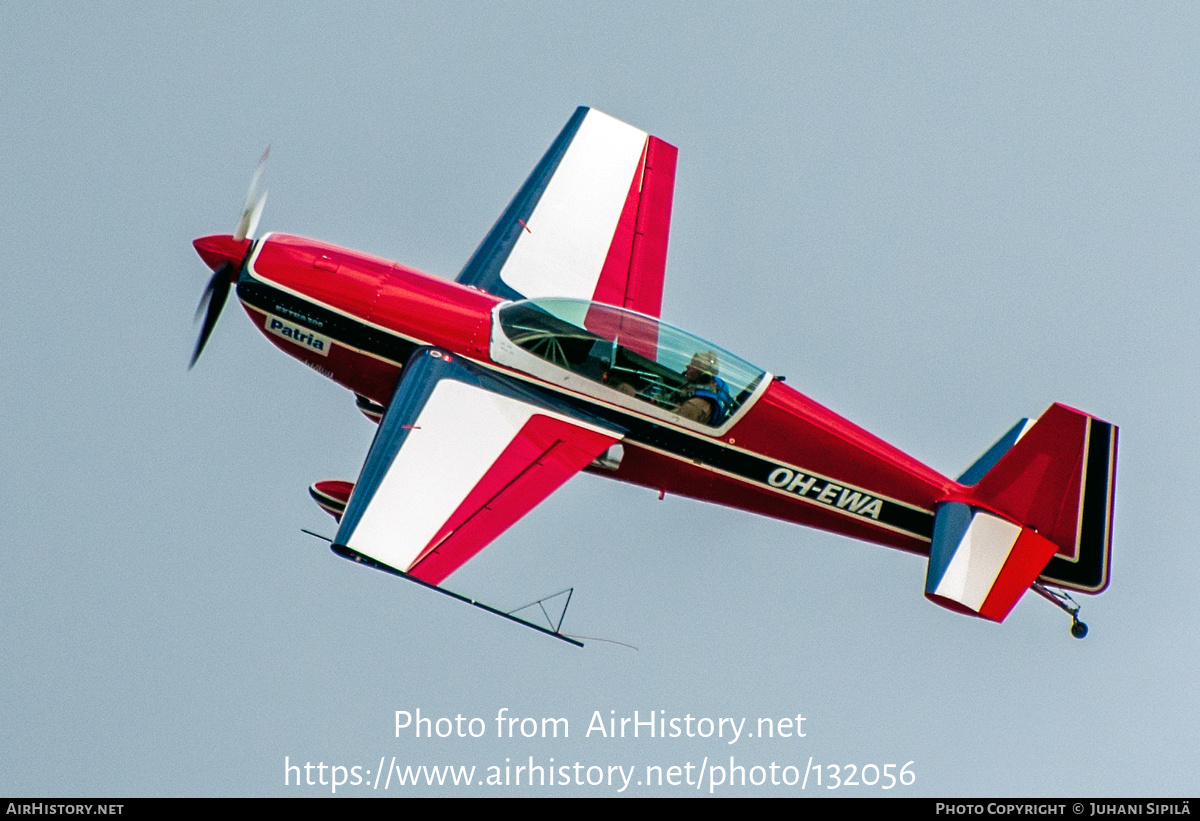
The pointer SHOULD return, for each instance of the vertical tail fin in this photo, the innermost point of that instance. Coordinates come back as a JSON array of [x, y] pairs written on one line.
[[1038, 507]]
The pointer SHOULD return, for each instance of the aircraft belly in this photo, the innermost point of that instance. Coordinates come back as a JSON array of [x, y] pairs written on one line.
[[371, 376]]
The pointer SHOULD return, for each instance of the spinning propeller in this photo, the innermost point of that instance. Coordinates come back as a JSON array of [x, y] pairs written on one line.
[[225, 255]]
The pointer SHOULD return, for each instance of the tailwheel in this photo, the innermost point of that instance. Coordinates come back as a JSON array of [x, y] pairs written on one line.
[[1063, 601]]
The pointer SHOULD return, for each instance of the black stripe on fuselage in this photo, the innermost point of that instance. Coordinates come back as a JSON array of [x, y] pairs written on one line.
[[349, 332], [1089, 570], [823, 492]]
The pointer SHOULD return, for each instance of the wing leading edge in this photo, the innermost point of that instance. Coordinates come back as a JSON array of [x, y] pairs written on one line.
[[591, 222], [460, 455]]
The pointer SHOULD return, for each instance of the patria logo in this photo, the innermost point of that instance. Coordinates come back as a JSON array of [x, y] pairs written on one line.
[[298, 335]]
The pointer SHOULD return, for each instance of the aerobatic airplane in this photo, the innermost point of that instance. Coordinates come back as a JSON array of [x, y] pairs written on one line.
[[546, 356]]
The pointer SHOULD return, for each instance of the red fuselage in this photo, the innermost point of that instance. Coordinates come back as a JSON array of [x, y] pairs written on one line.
[[356, 319]]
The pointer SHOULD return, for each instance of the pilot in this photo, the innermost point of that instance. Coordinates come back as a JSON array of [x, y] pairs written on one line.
[[705, 398]]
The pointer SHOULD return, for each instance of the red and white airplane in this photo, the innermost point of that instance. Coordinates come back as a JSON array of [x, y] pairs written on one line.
[[546, 357]]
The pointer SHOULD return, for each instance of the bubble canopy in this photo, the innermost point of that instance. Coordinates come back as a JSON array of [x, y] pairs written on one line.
[[633, 353]]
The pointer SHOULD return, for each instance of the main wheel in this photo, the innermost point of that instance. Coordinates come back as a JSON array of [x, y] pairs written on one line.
[[1078, 629]]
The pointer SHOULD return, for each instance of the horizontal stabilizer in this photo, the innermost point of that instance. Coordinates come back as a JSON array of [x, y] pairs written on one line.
[[982, 563]]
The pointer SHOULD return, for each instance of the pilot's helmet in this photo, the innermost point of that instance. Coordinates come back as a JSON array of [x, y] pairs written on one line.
[[705, 363]]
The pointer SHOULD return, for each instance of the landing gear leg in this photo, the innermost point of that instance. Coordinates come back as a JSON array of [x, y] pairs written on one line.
[[1063, 602]]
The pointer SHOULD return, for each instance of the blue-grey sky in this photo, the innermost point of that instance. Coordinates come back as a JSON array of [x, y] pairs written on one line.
[[933, 218]]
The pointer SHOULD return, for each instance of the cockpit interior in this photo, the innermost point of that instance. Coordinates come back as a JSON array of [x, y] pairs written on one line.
[[634, 354]]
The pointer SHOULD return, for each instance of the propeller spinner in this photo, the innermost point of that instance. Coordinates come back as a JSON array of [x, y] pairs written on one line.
[[225, 254]]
